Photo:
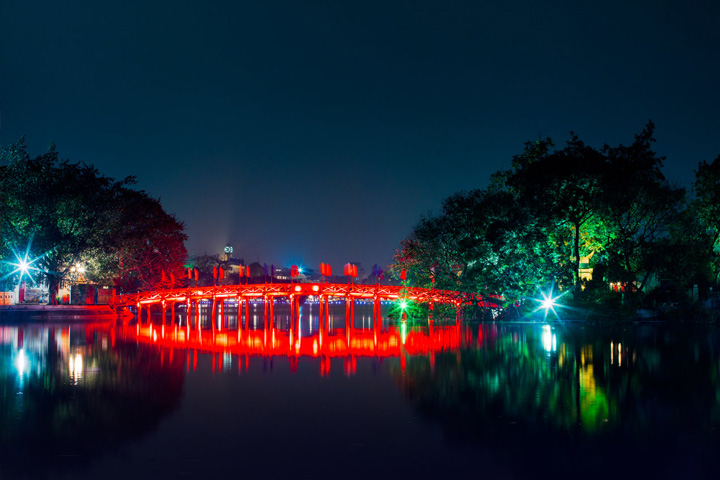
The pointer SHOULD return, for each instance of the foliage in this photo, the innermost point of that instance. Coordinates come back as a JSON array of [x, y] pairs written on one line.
[[68, 213], [706, 208], [536, 221], [639, 209]]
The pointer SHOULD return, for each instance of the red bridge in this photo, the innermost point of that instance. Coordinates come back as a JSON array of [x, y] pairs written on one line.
[[268, 292]]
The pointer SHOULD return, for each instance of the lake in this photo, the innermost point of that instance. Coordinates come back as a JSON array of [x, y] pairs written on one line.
[[497, 400]]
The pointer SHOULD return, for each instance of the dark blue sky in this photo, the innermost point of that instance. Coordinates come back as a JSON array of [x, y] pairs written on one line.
[[315, 131]]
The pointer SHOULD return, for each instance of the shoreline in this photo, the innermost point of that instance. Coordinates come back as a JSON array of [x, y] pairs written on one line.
[[31, 312]]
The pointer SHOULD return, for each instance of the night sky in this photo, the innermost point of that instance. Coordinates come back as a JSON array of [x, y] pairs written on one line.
[[320, 131]]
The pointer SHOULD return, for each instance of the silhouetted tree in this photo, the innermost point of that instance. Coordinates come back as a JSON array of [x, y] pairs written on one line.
[[68, 213]]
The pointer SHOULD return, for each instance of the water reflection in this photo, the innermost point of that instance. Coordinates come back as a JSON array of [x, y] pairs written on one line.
[[69, 393], [595, 401], [646, 397]]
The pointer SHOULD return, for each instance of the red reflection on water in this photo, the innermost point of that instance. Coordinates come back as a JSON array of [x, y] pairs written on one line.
[[340, 343]]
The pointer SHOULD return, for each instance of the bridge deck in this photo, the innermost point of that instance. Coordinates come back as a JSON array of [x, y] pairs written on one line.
[[272, 290]]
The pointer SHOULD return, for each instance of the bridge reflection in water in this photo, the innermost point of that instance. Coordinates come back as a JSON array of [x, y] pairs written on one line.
[[229, 335], [268, 320]]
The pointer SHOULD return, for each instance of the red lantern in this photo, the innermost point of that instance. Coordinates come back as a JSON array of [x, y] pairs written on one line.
[[197, 274], [403, 275], [189, 273], [354, 271], [325, 269], [214, 272]]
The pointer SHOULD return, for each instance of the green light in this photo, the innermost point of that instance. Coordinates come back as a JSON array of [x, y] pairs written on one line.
[[403, 305]]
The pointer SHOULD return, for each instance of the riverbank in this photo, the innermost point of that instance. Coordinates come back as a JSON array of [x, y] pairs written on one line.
[[45, 313], [609, 314]]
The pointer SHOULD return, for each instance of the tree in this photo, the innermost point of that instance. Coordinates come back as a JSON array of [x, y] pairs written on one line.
[[482, 242], [146, 242], [706, 208], [640, 209], [68, 213], [531, 227], [560, 188]]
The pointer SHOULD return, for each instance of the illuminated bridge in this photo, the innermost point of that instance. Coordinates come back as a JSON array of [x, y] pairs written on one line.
[[191, 298]]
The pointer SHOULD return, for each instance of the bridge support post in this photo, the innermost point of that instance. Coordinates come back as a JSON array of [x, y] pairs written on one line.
[[198, 316], [188, 310], [347, 313], [349, 318], [265, 304], [239, 314], [172, 313], [352, 313], [221, 320], [321, 315], [326, 320], [247, 313], [377, 314], [292, 318], [213, 314], [297, 316]]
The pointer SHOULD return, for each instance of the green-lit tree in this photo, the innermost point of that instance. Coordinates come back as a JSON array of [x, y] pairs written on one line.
[[561, 189], [706, 208], [535, 222]]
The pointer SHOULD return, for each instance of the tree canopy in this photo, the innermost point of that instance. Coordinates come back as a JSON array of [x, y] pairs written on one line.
[[62, 214], [557, 212]]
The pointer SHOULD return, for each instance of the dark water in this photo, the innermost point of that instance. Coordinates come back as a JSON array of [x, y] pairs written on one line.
[[106, 400]]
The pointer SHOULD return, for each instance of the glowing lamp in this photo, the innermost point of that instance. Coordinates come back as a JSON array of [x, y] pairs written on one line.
[[316, 288], [297, 288], [548, 302]]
